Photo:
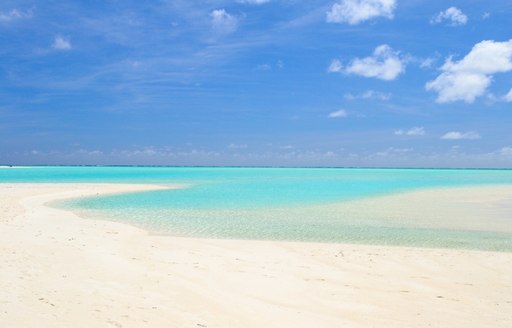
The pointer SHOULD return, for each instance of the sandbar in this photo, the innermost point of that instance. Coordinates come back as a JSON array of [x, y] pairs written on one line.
[[60, 270]]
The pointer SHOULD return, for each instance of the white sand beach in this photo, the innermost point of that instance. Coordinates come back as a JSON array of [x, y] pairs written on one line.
[[59, 270]]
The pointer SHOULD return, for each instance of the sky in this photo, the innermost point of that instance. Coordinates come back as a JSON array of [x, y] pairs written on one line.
[[372, 83]]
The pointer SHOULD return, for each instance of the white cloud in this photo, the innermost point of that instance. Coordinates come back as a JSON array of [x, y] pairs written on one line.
[[455, 135], [14, 14], [335, 66], [469, 78], [159, 153], [415, 131], [357, 11], [88, 152], [486, 15], [369, 94], [237, 146], [338, 114], [263, 67], [61, 43], [427, 62], [392, 151], [506, 151], [222, 22], [253, 2], [508, 96], [384, 64], [453, 15], [267, 67], [465, 86]]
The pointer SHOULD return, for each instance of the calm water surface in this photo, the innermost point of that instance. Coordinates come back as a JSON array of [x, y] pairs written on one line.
[[271, 203]]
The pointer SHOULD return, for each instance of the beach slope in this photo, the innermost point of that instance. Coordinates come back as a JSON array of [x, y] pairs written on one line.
[[58, 270]]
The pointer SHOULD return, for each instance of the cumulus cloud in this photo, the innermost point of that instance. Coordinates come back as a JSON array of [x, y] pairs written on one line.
[[508, 96], [470, 77], [456, 135], [452, 15], [357, 11], [61, 43], [338, 114], [14, 14], [222, 22], [415, 131], [384, 63]]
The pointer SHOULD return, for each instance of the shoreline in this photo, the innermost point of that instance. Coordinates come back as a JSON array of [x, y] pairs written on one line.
[[60, 270], [8, 166], [453, 217]]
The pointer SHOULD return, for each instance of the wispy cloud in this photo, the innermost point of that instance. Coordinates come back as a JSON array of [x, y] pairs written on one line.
[[428, 62], [506, 151], [456, 135], [234, 146], [14, 14], [453, 16], [253, 2], [356, 11], [61, 43], [415, 131], [369, 94], [160, 152], [263, 67], [338, 114], [384, 64], [508, 96], [470, 77], [392, 151], [270, 66], [335, 66]]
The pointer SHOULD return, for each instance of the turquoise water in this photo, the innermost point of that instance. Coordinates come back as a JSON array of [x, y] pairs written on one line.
[[272, 203]]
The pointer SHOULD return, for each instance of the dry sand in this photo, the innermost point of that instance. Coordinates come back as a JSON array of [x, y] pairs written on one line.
[[58, 270]]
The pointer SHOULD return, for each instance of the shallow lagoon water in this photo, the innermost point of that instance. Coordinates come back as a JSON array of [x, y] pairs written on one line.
[[271, 203]]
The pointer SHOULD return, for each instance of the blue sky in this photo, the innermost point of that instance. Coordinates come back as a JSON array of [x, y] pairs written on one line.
[[279, 82]]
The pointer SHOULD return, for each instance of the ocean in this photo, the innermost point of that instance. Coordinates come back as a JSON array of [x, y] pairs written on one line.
[[297, 204]]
